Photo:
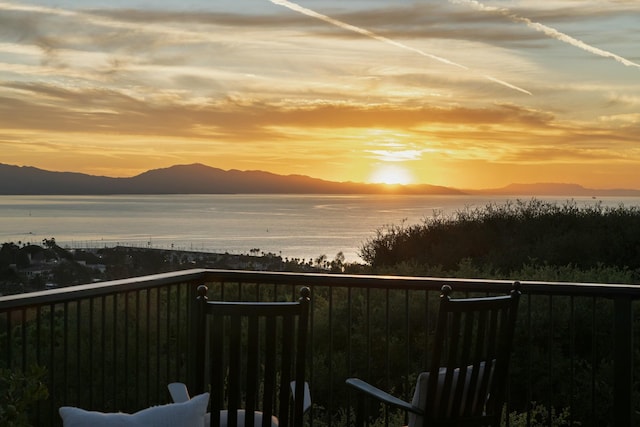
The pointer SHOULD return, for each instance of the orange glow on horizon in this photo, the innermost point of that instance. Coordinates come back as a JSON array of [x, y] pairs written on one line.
[[391, 174]]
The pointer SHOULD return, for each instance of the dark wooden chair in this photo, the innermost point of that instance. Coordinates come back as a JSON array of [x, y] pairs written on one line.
[[253, 358], [466, 381]]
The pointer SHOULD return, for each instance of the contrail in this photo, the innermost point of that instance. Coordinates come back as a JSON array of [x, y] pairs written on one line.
[[551, 32], [364, 32]]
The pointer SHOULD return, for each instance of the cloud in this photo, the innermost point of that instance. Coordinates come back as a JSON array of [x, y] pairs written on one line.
[[49, 107], [551, 32], [297, 8], [396, 155], [138, 23], [629, 118]]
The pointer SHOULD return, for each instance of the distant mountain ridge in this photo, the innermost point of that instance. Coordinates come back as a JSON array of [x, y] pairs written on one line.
[[200, 179], [555, 189], [188, 179]]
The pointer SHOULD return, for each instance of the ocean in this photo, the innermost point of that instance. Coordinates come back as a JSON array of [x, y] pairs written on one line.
[[293, 226]]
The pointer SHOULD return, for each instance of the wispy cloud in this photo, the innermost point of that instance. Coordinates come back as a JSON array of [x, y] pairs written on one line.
[[297, 8], [89, 18], [396, 155], [549, 31]]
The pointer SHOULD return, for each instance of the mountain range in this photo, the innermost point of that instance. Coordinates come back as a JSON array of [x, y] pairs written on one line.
[[201, 179]]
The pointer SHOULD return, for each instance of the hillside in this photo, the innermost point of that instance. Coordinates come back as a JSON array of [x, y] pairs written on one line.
[[201, 179], [189, 179]]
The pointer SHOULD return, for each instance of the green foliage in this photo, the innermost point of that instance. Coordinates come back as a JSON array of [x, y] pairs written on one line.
[[541, 416], [19, 391], [502, 239]]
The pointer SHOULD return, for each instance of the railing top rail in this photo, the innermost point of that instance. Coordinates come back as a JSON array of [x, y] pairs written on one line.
[[68, 293], [429, 283], [314, 279]]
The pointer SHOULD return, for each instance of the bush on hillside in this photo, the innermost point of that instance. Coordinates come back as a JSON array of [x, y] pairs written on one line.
[[512, 236]]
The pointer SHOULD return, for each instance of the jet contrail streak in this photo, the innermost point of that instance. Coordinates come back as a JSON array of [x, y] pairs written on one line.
[[364, 32], [551, 32]]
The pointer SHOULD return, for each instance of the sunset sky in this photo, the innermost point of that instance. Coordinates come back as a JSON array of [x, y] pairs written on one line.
[[458, 93]]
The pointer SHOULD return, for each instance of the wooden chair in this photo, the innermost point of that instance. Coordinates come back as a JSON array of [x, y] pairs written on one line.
[[471, 353], [252, 356]]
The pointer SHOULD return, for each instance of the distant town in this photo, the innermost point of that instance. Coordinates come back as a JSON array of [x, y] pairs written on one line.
[[26, 267]]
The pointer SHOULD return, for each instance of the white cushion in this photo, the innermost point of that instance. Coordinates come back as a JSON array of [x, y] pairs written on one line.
[[257, 417], [186, 414], [420, 394], [179, 393]]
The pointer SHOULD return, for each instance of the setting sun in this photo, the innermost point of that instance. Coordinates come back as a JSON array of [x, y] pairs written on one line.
[[391, 174]]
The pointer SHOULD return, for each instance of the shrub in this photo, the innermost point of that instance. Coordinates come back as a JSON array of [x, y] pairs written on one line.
[[501, 239], [19, 391]]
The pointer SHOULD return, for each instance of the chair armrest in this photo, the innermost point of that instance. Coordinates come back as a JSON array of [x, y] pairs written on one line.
[[381, 395], [307, 395], [178, 392]]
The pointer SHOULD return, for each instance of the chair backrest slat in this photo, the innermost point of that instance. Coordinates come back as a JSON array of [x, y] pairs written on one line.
[[235, 373], [253, 347], [287, 342], [269, 368], [216, 368]]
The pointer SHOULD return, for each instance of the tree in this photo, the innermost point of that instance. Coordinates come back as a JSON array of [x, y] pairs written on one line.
[[49, 243]]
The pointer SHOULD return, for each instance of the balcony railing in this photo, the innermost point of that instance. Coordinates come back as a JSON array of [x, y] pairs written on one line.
[[114, 346]]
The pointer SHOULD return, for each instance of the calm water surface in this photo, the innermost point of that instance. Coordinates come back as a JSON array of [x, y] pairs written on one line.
[[294, 226]]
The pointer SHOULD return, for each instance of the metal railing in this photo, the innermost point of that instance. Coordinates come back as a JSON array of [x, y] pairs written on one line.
[[114, 346]]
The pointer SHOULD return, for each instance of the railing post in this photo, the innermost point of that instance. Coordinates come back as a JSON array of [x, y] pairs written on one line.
[[193, 358], [623, 362]]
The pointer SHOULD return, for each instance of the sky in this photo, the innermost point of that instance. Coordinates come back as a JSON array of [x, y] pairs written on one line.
[[461, 93]]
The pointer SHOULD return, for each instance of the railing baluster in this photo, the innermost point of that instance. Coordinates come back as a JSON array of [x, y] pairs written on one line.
[[78, 355], [330, 360], [158, 292], [51, 361], [167, 352], [623, 362], [594, 357], [572, 352], [387, 352], [126, 356], [148, 348], [103, 348], [349, 346], [90, 338], [407, 333], [114, 354], [550, 364], [65, 354], [137, 348], [180, 320], [23, 326], [529, 360]]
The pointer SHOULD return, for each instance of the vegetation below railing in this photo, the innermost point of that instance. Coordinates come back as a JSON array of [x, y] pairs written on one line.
[[19, 392], [542, 241], [118, 351]]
